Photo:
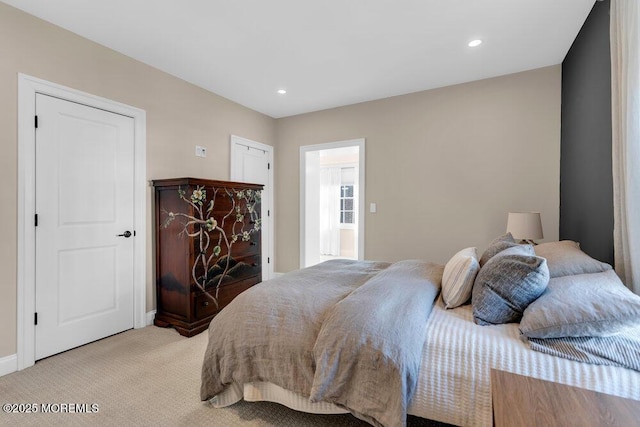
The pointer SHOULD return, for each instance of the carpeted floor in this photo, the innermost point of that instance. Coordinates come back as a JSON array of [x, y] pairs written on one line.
[[144, 377]]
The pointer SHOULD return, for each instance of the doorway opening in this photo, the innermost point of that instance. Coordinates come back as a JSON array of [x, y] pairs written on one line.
[[332, 201]]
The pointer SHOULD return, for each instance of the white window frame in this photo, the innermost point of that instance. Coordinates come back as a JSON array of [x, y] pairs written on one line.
[[352, 226]]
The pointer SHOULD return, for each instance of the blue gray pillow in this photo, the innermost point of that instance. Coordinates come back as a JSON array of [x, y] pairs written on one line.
[[507, 284], [565, 258], [496, 246], [582, 305]]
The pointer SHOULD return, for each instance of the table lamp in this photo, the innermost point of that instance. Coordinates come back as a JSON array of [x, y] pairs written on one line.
[[526, 226]]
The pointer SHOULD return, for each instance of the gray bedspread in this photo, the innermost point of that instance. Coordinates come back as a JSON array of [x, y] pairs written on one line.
[[369, 348], [345, 332]]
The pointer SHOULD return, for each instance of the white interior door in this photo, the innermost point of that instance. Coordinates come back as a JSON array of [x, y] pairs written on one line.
[[251, 163], [84, 205]]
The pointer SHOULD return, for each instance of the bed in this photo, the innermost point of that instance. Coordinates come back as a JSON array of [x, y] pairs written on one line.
[[329, 357]]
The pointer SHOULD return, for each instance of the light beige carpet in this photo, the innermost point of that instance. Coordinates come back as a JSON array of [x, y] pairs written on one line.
[[144, 377]]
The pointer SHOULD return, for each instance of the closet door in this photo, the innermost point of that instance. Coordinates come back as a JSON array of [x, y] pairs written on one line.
[[84, 236]]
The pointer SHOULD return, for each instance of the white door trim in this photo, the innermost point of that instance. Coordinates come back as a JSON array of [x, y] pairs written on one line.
[[235, 143], [27, 88], [360, 142]]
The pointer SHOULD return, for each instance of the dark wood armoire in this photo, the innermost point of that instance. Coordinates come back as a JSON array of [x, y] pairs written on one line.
[[207, 248]]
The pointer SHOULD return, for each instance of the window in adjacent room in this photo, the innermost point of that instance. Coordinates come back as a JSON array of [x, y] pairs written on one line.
[[347, 180]]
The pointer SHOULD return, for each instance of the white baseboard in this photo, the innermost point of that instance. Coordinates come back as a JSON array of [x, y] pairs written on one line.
[[276, 274], [8, 364], [150, 316]]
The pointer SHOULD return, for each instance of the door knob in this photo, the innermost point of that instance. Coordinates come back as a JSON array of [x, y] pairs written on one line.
[[125, 234]]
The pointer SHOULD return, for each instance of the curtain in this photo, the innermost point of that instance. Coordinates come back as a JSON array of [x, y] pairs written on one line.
[[330, 211], [625, 98]]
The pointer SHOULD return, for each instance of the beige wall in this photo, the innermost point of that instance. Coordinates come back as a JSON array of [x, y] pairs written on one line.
[[444, 166], [179, 116]]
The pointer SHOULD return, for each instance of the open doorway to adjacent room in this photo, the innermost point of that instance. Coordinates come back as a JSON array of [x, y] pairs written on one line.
[[332, 201]]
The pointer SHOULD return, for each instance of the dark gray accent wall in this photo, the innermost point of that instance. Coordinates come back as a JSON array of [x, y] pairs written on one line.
[[586, 185]]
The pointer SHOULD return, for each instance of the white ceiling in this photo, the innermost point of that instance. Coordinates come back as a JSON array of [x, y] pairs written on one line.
[[325, 53]]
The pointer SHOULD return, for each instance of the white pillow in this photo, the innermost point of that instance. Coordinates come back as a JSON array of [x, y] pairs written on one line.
[[458, 277]]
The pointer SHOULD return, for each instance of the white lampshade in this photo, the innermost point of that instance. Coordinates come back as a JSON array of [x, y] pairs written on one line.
[[525, 225]]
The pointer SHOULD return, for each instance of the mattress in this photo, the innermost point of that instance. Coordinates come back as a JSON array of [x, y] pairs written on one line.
[[454, 385]]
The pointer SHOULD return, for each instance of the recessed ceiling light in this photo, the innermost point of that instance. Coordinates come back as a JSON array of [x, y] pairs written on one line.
[[474, 43], [282, 91]]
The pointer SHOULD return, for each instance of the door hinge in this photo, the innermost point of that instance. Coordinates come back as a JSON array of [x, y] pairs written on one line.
[[268, 260], [36, 220], [268, 165], [268, 212], [35, 318], [36, 121]]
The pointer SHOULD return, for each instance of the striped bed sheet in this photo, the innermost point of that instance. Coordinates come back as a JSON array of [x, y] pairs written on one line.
[[621, 349], [457, 358]]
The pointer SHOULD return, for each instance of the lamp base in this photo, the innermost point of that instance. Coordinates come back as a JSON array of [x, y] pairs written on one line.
[[527, 242]]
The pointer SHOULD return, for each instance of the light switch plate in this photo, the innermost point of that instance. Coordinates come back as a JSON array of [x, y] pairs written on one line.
[[201, 151]]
